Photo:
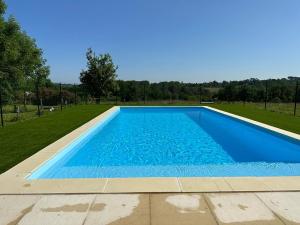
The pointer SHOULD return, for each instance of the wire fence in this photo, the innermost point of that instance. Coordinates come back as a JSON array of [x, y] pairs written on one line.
[[44, 101]]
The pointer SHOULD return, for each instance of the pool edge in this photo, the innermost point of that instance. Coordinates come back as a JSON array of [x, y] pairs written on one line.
[[256, 123], [14, 180]]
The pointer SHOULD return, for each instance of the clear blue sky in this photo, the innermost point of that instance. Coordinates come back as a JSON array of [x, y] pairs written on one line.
[[158, 40]]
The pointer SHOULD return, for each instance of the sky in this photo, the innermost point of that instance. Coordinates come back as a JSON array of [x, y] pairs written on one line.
[[164, 40]]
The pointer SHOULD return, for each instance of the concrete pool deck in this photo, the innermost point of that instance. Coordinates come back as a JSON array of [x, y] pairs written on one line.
[[152, 209], [14, 180]]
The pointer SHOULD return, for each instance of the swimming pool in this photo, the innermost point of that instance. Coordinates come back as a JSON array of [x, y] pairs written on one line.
[[174, 142]]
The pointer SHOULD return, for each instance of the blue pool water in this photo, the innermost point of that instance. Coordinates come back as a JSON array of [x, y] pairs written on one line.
[[174, 142]]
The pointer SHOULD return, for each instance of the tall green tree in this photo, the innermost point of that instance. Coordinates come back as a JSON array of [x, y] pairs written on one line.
[[20, 58], [100, 75]]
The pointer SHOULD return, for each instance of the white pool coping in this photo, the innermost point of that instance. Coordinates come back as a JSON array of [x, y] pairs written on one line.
[[14, 180]]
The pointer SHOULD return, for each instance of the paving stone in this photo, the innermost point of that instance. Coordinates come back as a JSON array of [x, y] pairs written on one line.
[[14, 207], [126, 185], [247, 184], [286, 205], [119, 209], [59, 209], [158, 209], [196, 184], [244, 208], [180, 209]]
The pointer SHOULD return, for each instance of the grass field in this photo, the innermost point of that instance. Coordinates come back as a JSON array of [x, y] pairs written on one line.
[[30, 112], [284, 121], [24, 138], [25, 113], [20, 140], [287, 108]]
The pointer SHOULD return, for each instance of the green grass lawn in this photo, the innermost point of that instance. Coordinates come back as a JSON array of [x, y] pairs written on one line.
[[21, 140], [24, 138], [281, 120], [26, 113]]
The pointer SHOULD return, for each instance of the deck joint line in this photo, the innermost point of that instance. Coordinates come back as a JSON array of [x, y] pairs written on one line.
[[210, 209], [88, 210], [229, 184], [179, 184], [275, 214], [150, 214], [104, 187]]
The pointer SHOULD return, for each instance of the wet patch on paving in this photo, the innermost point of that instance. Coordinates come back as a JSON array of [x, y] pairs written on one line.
[[152, 209], [243, 208], [179, 209]]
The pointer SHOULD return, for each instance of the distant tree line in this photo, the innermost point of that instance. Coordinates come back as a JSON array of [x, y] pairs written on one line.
[[100, 80], [251, 90], [255, 90], [173, 90]]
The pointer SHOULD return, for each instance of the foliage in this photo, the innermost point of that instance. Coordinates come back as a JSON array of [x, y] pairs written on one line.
[[21, 61], [254, 90], [250, 90], [99, 77], [173, 90]]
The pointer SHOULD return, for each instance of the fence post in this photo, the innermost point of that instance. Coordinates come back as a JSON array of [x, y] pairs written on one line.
[[200, 93], [61, 99], [120, 94], [24, 99], [75, 87], [116, 93], [1, 110], [38, 97], [245, 94], [266, 94], [144, 93], [86, 97], [85, 94], [296, 95]]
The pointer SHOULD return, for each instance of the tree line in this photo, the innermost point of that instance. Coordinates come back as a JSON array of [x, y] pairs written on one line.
[[99, 83], [100, 79], [250, 90]]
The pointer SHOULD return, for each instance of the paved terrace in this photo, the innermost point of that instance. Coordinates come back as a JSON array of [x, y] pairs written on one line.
[[155, 209]]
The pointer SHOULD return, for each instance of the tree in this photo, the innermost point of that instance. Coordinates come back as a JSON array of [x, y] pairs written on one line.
[[20, 58], [100, 76], [10, 72], [39, 77]]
